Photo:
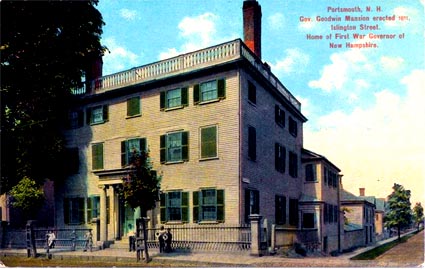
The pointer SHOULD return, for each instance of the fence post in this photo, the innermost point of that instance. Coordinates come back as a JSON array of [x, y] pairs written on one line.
[[255, 234], [31, 248], [73, 240]]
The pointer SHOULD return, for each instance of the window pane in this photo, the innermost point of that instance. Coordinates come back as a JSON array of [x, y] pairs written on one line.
[[97, 156], [209, 90], [174, 147], [97, 114], [174, 98], [209, 142]]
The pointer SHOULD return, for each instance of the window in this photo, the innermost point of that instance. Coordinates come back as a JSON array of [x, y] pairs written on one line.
[[252, 93], [336, 213], [252, 203], [173, 98], [310, 172], [75, 119], [97, 156], [209, 142], [325, 213], [325, 175], [73, 209], [293, 212], [98, 114], [174, 206], [252, 143], [93, 208], [131, 147], [174, 147], [280, 209], [209, 91], [133, 107], [293, 130], [308, 220], [279, 116], [208, 205], [293, 164], [280, 158]]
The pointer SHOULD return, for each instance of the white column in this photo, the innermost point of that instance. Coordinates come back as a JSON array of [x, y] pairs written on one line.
[[103, 220]]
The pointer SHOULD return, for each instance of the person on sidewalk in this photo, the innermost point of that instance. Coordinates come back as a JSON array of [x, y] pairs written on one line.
[[89, 241], [51, 238], [167, 238], [161, 240]]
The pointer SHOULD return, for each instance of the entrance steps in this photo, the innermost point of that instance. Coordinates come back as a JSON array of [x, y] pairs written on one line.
[[121, 244]]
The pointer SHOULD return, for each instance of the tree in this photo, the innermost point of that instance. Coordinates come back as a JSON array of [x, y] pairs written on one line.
[[27, 196], [43, 58], [399, 214], [418, 214], [142, 185]]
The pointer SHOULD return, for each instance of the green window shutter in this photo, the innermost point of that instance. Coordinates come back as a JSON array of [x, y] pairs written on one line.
[[123, 153], [163, 148], [81, 210], [133, 106], [185, 206], [220, 205], [162, 100], [143, 145], [105, 113], [66, 210], [221, 88], [209, 142], [88, 115], [89, 209], [163, 207], [185, 146], [184, 96], [196, 92], [276, 114], [247, 205], [195, 206], [97, 156], [276, 157]]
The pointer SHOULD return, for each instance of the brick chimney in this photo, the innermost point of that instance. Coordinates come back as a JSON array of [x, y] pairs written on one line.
[[93, 72], [252, 25], [362, 191]]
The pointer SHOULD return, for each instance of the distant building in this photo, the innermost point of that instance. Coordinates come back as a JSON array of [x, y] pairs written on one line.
[[359, 214], [319, 203]]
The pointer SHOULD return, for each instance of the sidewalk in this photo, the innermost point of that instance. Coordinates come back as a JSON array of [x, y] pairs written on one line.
[[220, 259]]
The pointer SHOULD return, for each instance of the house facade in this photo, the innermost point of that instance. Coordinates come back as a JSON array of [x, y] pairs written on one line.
[[221, 130], [320, 203], [359, 216]]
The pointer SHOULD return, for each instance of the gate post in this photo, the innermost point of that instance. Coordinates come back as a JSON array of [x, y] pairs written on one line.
[[31, 247], [255, 234]]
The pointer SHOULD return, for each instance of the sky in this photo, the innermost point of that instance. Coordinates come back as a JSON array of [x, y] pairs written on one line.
[[365, 106]]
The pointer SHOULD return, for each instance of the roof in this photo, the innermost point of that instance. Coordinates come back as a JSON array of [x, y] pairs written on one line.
[[310, 156], [308, 199], [347, 196]]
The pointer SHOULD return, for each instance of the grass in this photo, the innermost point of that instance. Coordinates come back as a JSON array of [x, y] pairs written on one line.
[[375, 252], [14, 261]]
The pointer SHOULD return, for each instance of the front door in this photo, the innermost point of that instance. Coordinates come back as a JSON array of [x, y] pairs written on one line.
[[128, 221]]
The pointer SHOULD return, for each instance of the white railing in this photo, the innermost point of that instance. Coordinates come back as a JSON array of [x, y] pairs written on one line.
[[206, 57]]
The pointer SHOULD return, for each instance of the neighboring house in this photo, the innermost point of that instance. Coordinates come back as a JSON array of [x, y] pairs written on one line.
[[320, 205], [380, 204], [359, 229], [223, 132]]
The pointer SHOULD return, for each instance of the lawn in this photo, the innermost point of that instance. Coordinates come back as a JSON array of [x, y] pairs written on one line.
[[375, 252], [13, 261]]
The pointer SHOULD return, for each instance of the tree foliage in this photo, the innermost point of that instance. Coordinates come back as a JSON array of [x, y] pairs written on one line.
[[46, 47], [399, 214], [142, 185], [418, 213], [27, 195]]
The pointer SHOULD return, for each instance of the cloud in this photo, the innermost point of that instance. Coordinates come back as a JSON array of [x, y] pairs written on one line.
[[276, 21], [343, 69], [391, 64], [118, 58], [127, 14], [197, 32], [383, 142], [295, 60]]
